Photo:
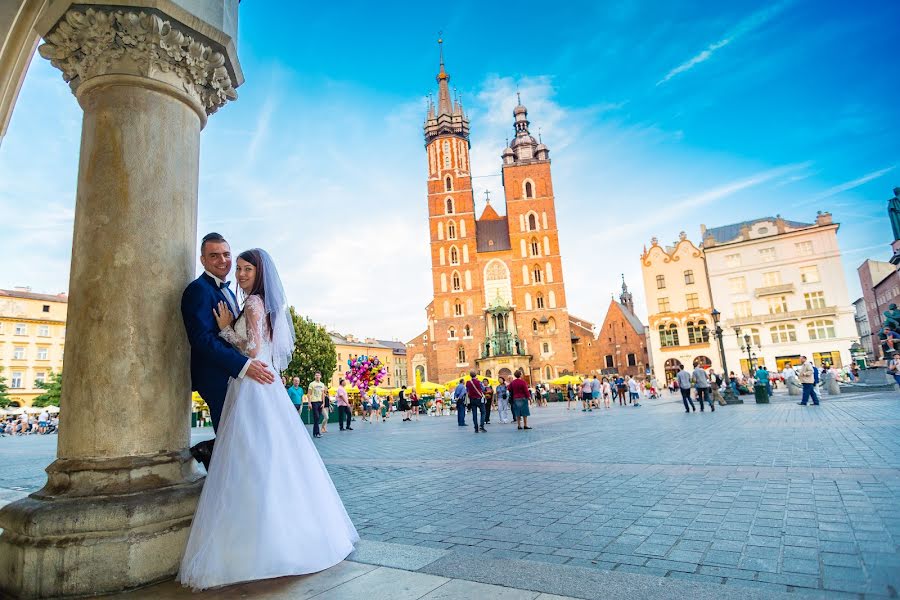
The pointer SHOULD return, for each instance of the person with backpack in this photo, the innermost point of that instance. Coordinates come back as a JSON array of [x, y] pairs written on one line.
[[475, 393]]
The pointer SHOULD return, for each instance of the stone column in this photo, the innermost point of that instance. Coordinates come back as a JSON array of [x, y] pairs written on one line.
[[117, 507]]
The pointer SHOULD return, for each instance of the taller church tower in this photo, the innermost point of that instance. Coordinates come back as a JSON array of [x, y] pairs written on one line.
[[455, 326]]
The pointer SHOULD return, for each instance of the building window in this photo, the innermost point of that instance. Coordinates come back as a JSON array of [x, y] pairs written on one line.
[[448, 184], [446, 154], [742, 309], [767, 254], [454, 256], [778, 305], [668, 336], [46, 308], [781, 334], [693, 300], [457, 286], [732, 260], [457, 309], [43, 331], [534, 325], [532, 222], [820, 330], [19, 353], [660, 282], [809, 274], [21, 329], [535, 247], [663, 304], [468, 331], [688, 277], [737, 285], [754, 337], [771, 278], [537, 274], [609, 361], [451, 230], [539, 301], [632, 360], [449, 205], [15, 381], [461, 355], [43, 354], [39, 378], [529, 192], [546, 348], [548, 373], [697, 333], [804, 248], [452, 332], [814, 299]]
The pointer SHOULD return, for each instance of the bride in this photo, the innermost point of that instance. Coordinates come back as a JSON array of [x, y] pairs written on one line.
[[268, 507]]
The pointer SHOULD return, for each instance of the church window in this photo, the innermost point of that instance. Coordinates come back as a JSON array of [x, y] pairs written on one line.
[[452, 333], [454, 256], [529, 190], [632, 360], [546, 349], [609, 361], [468, 331], [446, 154], [457, 309], [538, 276], [549, 373], [449, 210], [448, 184], [456, 282], [461, 355], [532, 222], [535, 247], [540, 301], [451, 230]]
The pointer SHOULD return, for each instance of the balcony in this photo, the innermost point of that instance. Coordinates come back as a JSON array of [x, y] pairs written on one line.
[[772, 290], [792, 315], [502, 344]]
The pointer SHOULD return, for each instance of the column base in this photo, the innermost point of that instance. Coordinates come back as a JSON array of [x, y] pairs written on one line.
[[731, 397], [71, 545]]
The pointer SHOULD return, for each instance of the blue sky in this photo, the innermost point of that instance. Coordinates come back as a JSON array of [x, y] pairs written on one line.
[[659, 117]]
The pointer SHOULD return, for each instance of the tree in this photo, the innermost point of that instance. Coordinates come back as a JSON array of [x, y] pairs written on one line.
[[314, 351], [4, 397], [52, 391]]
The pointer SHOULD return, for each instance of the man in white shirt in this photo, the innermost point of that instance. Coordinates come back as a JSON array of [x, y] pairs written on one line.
[[43, 421]]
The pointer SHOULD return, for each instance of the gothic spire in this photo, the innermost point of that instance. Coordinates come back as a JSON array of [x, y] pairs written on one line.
[[445, 105], [448, 116]]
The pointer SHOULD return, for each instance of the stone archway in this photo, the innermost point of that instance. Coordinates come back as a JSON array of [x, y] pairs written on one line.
[[702, 361], [504, 373], [672, 366], [116, 510]]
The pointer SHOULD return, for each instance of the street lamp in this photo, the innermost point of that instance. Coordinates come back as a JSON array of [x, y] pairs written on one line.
[[747, 346], [729, 394]]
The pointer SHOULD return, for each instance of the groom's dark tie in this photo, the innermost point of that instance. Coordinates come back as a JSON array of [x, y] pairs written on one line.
[[229, 295]]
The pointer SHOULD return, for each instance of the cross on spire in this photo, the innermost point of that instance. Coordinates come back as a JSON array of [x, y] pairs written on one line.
[[487, 196]]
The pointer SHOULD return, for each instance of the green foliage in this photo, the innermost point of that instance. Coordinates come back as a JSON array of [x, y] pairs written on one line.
[[52, 391], [314, 351], [4, 397]]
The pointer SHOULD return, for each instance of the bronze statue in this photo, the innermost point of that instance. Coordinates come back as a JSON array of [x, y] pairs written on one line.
[[894, 213], [892, 316]]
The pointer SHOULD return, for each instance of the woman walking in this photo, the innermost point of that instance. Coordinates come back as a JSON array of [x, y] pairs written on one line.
[[376, 408], [519, 391], [488, 399], [570, 396], [502, 393], [326, 410], [413, 406]]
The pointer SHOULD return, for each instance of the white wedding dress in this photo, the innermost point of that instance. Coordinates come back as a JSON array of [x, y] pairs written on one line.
[[268, 507]]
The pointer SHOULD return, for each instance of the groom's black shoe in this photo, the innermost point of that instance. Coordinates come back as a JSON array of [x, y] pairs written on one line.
[[202, 452]]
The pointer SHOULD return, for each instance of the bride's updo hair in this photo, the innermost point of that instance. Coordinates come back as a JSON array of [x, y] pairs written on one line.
[[253, 257]]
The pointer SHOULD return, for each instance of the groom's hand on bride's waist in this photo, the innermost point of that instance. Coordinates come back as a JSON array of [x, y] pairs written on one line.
[[259, 371]]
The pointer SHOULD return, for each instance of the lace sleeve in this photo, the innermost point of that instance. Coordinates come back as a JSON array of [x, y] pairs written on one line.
[[253, 314]]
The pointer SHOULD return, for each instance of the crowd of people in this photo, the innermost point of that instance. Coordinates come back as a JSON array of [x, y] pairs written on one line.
[[28, 424]]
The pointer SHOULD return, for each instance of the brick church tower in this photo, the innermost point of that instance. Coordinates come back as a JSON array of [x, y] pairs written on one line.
[[499, 299]]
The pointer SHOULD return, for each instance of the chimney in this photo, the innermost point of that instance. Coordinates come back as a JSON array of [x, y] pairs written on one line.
[[823, 218]]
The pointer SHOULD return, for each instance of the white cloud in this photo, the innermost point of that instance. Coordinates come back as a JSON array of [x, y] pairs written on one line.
[[848, 185]]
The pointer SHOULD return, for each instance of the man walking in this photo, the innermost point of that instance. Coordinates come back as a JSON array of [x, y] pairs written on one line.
[[701, 384], [343, 404], [586, 395], [316, 396], [684, 384], [296, 394], [595, 392], [459, 395], [475, 392], [807, 377]]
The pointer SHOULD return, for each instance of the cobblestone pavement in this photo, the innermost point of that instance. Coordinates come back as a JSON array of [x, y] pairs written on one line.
[[779, 497]]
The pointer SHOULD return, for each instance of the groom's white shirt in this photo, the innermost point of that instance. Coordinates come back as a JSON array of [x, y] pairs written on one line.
[[231, 302]]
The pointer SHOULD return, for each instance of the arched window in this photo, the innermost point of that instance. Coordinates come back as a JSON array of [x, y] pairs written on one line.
[[697, 333], [820, 330], [420, 373], [457, 308], [549, 373], [668, 336], [454, 256], [534, 326], [451, 230], [539, 301], [538, 276], [446, 149], [452, 332], [448, 184], [460, 355], [449, 203], [529, 190], [704, 331], [783, 333], [535, 247], [468, 330], [532, 222], [457, 285]]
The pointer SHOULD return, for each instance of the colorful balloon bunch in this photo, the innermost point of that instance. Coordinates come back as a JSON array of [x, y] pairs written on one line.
[[365, 372]]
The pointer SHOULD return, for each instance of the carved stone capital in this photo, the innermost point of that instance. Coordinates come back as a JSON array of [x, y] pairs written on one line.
[[92, 43]]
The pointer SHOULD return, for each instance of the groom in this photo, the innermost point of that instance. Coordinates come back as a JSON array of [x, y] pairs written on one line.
[[213, 360]]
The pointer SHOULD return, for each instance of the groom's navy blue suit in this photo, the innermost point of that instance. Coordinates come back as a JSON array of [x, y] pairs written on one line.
[[213, 360]]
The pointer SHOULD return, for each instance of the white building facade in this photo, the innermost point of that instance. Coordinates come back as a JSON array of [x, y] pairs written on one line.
[[782, 284]]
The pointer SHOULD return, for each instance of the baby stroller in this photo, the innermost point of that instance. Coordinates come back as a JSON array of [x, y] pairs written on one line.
[[654, 393]]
